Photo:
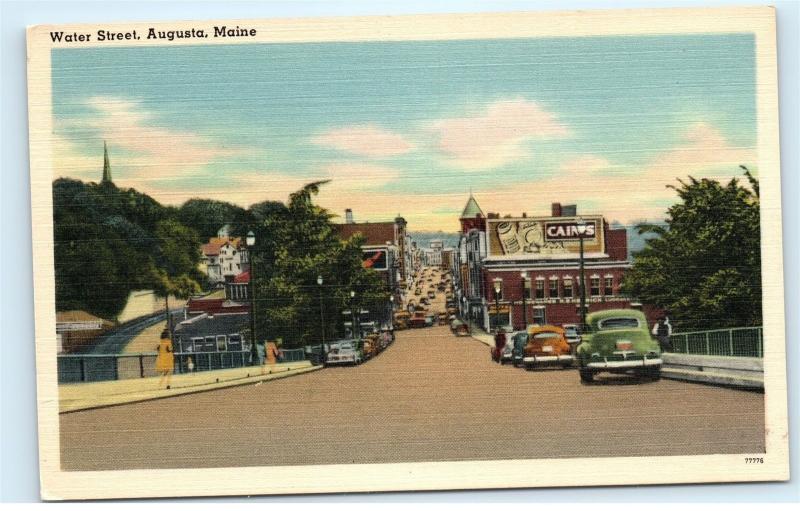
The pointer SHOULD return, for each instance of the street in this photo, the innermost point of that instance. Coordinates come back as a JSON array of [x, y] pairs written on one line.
[[429, 397]]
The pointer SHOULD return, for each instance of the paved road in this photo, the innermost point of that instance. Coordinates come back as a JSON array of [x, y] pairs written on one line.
[[429, 396], [115, 341]]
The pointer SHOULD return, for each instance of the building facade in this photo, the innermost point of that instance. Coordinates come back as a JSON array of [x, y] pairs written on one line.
[[224, 257], [518, 271]]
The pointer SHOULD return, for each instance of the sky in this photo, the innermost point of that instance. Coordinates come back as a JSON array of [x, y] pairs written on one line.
[[412, 128]]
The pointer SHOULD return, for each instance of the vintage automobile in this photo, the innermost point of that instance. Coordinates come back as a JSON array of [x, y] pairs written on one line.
[[572, 333], [346, 351], [459, 328], [401, 320], [430, 319], [618, 341], [547, 345], [442, 319], [418, 319], [517, 340], [418, 291], [431, 294], [371, 348]]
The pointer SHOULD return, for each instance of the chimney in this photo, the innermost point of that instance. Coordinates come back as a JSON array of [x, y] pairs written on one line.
[[524, 215], [569, 210], [348, 216], [555, 209]]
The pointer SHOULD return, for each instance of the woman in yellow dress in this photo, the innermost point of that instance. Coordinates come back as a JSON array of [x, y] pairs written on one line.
[[165, 361]]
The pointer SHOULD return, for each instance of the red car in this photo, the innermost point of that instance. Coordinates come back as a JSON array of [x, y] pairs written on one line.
[[418, 320]]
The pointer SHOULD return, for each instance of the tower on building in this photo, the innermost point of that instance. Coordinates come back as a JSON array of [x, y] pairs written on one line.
[[106, 166], [472, 217]]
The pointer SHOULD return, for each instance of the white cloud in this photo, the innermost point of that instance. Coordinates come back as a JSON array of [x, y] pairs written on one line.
[[368, 140], [497, 135]]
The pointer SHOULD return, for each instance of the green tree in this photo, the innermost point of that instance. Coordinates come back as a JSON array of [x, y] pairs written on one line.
[[297, 242], [206, 216], [704, 266]]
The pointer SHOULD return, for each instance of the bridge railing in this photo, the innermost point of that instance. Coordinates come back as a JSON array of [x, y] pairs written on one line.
[[123, 366], [727, 342]]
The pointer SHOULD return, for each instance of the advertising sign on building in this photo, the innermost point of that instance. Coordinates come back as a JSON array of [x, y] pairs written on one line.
[[543, 238], [377, 259]]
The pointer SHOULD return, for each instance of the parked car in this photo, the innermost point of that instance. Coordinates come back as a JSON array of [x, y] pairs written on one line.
[[418, 319], [442, 319], [547, 345], [418, 291], [401, 320], [459, 328], [518, 340], [572, 333], [430, 319], [618, 341], [347, 351], [431, 295]]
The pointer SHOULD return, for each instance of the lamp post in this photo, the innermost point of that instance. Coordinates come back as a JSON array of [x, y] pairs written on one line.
[[251, 243], [322, 322], [498, 285], [526, 285], [581, 228], [356, 335]]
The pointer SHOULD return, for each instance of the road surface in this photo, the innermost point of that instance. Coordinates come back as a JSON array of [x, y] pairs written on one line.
[[429, 397]]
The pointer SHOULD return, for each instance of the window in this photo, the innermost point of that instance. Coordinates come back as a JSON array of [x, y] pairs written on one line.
[[553, 288], [221, 343], [568, 289], [540, 288], [614, 323], [595, 286], [526, 288], [198, 344], [538, 316], [608, 288]]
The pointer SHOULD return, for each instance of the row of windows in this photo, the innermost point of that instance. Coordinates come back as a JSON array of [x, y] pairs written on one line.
[[567, 289], [210, 343]]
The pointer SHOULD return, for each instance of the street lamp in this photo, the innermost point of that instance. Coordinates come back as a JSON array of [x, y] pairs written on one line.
[[250, 240], [581, 228], [356, 334], [322, 322], [526, 285], [498, 285]]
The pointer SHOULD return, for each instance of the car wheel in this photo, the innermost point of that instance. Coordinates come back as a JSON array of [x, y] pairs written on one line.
[[587, 375]]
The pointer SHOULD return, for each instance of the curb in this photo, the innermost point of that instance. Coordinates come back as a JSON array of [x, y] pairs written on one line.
[[713, 378], [194, 389]]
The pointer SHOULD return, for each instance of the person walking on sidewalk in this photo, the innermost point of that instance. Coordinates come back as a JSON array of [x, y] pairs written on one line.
[[662, 330], [165, 361]]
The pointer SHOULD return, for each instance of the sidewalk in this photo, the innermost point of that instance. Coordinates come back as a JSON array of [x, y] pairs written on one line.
[[478, 333], [83, 396]]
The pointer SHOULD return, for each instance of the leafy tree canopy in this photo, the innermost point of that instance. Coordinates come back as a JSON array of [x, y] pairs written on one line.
[[704, 266]]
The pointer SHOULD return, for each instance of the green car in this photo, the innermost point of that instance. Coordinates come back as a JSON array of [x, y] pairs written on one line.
[[618, 341]]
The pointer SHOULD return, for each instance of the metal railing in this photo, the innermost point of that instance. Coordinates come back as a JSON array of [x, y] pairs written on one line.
[[123, 366], [727, 342]]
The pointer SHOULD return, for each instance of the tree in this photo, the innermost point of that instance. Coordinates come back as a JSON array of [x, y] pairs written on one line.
[[704, 266], [297, 242], [206, 216]]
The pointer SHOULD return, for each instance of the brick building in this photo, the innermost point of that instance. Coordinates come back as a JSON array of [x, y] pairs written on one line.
[[535, 262]]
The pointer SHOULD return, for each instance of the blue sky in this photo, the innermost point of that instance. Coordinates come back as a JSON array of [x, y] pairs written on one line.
[[412, 127]]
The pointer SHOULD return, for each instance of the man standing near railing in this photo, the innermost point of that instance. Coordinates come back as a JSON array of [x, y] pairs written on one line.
[[662, 330]]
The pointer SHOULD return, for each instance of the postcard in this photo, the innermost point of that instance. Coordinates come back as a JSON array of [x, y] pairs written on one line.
[[394, 253]]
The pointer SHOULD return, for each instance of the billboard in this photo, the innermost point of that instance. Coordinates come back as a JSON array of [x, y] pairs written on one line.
[[375, 258], [543, 238]]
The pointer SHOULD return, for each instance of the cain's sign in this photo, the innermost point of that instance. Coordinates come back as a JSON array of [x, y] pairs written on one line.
[[561, 231]]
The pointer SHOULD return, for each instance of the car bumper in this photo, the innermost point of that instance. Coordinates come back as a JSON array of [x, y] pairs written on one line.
[[624, 364], [548, 359], [341, 360]]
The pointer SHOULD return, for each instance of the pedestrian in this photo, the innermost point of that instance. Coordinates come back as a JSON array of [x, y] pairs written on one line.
[[165, 361], [662, 330], [190, 364], [499, 344]]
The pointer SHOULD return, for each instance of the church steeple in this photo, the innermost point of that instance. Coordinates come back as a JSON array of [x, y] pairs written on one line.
[[106, 165]]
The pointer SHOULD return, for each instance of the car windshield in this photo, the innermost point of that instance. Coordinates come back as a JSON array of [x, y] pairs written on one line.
[[615, 323], [546, 335], [571, 330], [520, 339]]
